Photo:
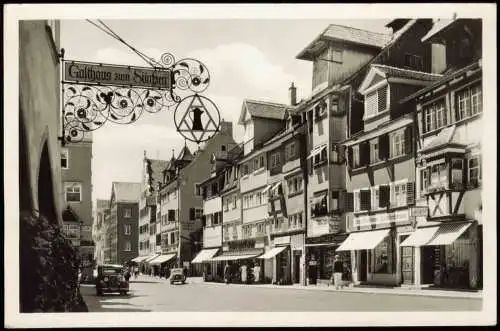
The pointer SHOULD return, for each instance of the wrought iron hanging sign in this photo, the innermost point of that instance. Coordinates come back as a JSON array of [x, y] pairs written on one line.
[[94, 93]]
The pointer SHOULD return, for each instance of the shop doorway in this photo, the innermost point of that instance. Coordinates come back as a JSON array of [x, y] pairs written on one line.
[[363, 265], [428, 262], [407, 262], [296, 266]]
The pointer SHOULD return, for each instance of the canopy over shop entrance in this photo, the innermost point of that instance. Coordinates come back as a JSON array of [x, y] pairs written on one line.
[[273, 252], [363, 240], [161, 259], [233, 256], [444, 234], [205, 255], [140, 258]]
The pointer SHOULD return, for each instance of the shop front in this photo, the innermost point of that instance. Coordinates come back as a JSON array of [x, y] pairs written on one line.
[[374, 256], [162, 264], [320, 253], [210, 268], [447, 255], [241, 264]]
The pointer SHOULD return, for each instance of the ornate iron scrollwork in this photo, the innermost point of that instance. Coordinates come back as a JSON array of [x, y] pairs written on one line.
[[87, 107]]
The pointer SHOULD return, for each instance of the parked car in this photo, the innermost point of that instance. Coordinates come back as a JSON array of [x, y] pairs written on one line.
[[111, 278], [177, 275]]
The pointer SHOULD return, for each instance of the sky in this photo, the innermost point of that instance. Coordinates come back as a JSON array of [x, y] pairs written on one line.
[[246, 59]]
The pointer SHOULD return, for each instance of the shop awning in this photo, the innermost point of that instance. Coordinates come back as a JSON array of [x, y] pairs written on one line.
[[229, 257], [273, 252], [318, 199], [363, 240], [151, 258], [420, 237], [205, 255], [161, 259], [448, 233], [140, 258], [316, 150]]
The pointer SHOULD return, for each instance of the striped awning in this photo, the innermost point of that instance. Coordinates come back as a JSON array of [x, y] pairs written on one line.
[[420, 237], [161, 259], [140, 258], [273, 252], [151, 258], [205, 255], [363, 240], [448, 233], [237, 255]]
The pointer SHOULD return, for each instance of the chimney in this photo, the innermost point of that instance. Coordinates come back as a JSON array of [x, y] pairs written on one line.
[[293, 95], [226, 128]]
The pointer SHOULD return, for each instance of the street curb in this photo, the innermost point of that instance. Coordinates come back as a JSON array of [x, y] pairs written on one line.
[[433, 295]]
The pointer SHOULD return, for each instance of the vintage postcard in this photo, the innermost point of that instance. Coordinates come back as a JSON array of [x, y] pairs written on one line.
[[250, 165]]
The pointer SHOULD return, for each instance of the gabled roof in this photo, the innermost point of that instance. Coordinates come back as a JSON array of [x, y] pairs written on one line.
[[127, 191], [344, 34], [439, 26], [262, 109], [185, 154], [386, 72]]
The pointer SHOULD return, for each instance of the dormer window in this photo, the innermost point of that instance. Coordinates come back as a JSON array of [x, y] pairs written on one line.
[[376, 102]]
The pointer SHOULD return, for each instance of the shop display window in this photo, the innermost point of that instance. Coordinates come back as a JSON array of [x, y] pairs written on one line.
[[383, 257]]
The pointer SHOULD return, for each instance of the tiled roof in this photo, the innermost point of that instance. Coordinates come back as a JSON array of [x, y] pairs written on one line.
[[357, 36], [126, 191], [265, 109], [405, 73], [345, 34], [438, 26]]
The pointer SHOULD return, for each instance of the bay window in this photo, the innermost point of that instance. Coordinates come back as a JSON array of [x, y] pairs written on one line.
[[457, 173], [474, 171], [439, 175]]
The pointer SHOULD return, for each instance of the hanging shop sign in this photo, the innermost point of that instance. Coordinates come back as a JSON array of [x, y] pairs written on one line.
[[95, 93], [117, 75]]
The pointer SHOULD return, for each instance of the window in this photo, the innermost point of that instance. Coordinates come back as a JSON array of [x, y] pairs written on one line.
[[127, 212], [435, 116], [225, 204], [223, 148], [258, 162], [337, 56], [235, 204], [335, 200], [171, 215], [128, 246], [384, 257], [375, 197], [258, 199], [73, 192], [247, 231], [457, 173], [198, 213], [217, 218], [197, 190], [172, 238], [475, 171], [355, 154], [64, 158], [294, 185], [127, 229], [245, 169], [291, 150], [275, 160], [469, 102], [261, 228], [376, 102], [414, 62], [439, 175], [424, 180], [374, 156], [397, 143], [400, 194]]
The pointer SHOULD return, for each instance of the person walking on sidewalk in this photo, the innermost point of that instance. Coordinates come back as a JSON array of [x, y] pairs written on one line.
[[338, 269]]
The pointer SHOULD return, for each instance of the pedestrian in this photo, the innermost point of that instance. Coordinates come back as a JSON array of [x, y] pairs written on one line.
[[136, 272], [127, 275], [256, 273], [227, 273], [337, 272], [243, 270]]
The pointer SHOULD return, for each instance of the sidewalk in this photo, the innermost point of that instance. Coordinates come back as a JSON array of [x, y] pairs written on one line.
[[374, 290]]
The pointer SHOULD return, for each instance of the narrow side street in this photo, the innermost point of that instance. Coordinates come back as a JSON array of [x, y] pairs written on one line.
[[148, 294]]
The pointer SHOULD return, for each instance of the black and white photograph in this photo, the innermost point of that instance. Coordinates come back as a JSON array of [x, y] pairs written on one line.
[[250, 165]]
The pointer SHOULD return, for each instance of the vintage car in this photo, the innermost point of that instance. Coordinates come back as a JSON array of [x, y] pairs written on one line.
[[177, 275], [111, 278]]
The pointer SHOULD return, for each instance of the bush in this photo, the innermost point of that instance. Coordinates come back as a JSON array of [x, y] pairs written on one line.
[[48, 268]]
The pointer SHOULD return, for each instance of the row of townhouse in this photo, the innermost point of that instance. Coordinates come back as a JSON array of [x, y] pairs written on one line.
[[171, 206], [394, 125]]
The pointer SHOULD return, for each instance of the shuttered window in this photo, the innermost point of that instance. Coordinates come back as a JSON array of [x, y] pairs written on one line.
[[410, 193], [365, 199], [376, 102], [348, 202], [384, 196], [383, 146]]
